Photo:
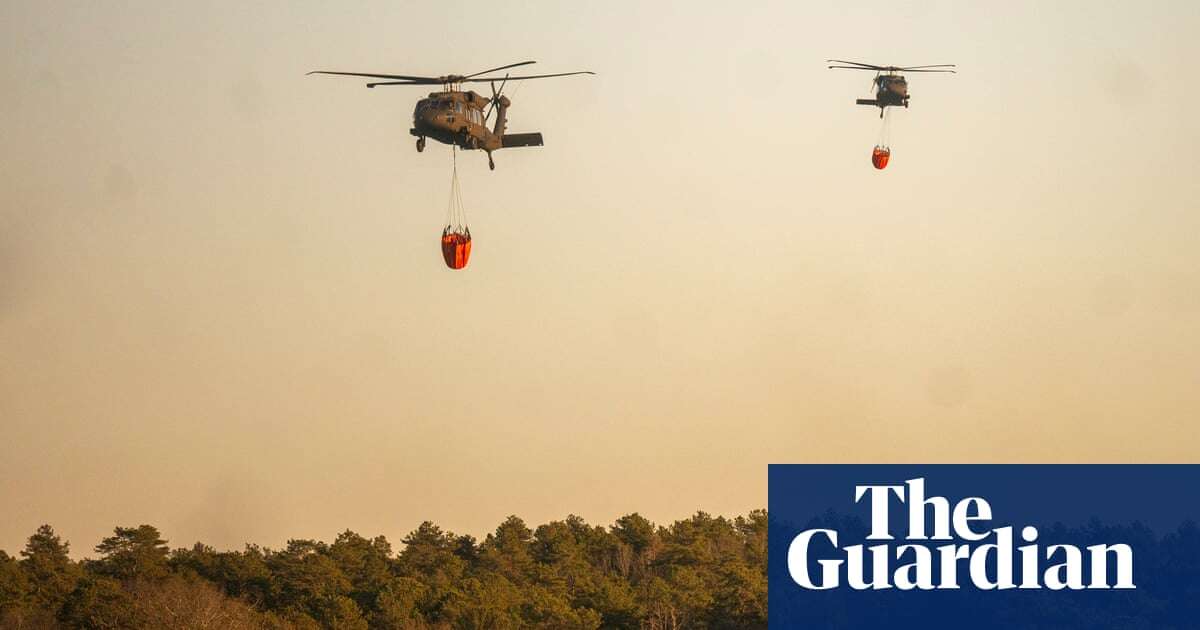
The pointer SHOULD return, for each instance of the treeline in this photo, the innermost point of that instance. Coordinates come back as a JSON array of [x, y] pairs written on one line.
[[702, 572]]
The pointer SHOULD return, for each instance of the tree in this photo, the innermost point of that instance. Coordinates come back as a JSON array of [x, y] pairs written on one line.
[[51, 574], [551, 611], [133, 552], [703, 572], [179, 603], [637, 532], [13, 584], [681, 600], [99, 603], [753, 530], [638, 544], [396, 605], [339, 612], [367, 563], [487, 602], [741, 598], [305, 579], [431, 556], [614, 599], [508, 551]]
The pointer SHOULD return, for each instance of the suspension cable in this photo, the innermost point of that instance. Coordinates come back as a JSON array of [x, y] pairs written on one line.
[[456, 212]]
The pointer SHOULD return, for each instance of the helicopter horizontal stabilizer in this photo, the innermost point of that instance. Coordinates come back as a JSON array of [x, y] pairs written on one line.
[[866, 101], [509, 140]]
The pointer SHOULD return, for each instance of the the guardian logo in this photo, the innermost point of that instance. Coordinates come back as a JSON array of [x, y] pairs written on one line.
[[985, 558]]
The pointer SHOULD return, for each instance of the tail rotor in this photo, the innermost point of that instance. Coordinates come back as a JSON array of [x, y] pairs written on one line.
[[496, 94]]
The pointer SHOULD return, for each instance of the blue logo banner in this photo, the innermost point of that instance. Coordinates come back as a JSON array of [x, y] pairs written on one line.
[[984, 546]]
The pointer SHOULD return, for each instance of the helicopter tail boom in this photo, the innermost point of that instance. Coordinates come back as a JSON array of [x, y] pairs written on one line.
[[866, 101]]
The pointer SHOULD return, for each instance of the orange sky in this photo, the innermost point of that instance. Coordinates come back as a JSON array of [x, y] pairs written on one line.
[[223, 310]]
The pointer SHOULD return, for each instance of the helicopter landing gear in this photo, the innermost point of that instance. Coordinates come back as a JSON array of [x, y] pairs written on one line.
[[491, 163], [420, 144]]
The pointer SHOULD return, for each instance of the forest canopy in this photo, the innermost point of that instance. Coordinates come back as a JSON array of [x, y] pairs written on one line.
[[701, 572]]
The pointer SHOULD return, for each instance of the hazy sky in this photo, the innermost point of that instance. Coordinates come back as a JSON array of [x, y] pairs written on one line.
[[223, 310]]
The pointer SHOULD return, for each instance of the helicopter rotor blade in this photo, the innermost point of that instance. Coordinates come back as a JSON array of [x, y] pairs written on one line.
[[398, 77], [371, 85], [511, 65], [491, 104], [856, 63], [536, 76]]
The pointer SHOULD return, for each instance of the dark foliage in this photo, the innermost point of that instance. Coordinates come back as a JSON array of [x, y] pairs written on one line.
[[702, 572]]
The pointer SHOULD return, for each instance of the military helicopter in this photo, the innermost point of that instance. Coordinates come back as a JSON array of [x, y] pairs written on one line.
[[457, 118], [891, 89]]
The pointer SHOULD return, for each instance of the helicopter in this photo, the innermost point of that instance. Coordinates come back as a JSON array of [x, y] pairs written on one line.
[[891, 89], [457, 118]]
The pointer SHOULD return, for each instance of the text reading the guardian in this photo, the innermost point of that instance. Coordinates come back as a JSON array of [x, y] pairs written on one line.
[[870, 567]]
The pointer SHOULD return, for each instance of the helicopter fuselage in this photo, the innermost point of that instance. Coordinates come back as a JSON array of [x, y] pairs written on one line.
[[456, 118], [459, 119], [891, 90]]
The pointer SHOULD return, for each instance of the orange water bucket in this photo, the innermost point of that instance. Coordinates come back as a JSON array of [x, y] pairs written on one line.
[[880, 156], [456, 248]]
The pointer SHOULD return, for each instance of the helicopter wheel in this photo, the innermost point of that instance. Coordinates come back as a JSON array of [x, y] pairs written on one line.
[[491, 163], [420, 144]]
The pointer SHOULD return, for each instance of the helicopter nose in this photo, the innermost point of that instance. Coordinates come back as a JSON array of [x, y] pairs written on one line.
[[430, 116]]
